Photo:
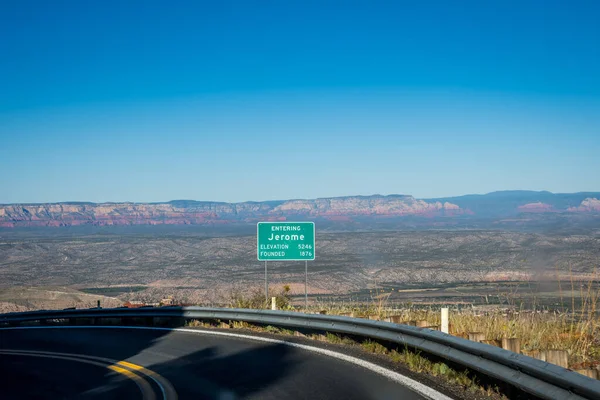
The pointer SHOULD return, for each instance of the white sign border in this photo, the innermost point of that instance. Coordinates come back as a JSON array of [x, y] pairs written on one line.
[[287, 259]]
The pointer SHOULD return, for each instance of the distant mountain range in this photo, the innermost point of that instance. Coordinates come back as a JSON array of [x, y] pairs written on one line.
[[513, 202], [496, 205]]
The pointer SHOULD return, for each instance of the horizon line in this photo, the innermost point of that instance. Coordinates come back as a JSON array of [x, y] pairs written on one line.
[[295, 199]]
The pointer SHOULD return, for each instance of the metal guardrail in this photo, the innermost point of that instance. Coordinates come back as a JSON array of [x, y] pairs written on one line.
[[536, 377]]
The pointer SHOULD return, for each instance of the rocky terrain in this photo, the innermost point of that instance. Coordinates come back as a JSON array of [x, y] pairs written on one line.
[[340, 209], [202, 269], [202, 252], [196, 212]]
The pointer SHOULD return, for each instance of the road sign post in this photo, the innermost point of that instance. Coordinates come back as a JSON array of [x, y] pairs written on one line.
[[286, 241], [305, 285]]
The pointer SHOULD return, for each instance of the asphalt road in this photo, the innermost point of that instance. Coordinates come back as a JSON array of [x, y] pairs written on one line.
[[126, 363]]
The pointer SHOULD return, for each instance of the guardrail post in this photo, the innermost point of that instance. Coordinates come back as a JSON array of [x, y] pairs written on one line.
[[513, 344], [396, 319], [476, 336], [444, 326], [590, 373], [558, 357]]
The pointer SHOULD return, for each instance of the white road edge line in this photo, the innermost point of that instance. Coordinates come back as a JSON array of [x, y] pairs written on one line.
[[394, 376]]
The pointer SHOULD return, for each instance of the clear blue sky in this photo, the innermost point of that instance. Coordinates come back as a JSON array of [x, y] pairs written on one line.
[[256, 100]]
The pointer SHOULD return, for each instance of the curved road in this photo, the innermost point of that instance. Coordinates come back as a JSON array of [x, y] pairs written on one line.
[[154, 364]]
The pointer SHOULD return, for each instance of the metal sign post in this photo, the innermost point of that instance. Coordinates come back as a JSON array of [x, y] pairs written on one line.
[[305, 285], [286, 241]]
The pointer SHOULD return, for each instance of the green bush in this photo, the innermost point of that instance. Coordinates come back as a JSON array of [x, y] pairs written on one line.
[[256, 299]]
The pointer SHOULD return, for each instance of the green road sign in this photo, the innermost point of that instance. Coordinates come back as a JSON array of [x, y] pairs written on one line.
[[285, 241]]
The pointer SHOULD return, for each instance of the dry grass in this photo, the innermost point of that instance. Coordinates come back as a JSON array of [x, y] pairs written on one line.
[[574, 327], [578, 335], [576, 332], [537, 332], [415, 362], [257, 299]]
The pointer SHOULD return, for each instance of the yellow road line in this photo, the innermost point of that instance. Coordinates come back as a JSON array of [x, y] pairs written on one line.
[[142, 384], [147, 392], [168, 389]]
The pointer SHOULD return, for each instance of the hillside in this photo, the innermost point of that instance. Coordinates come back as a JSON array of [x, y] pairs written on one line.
[[35, 298], [190, 265], [336, 210], [200, 212]]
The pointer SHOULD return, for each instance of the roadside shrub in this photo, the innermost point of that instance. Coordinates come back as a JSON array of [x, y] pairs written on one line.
[[256, 299]]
